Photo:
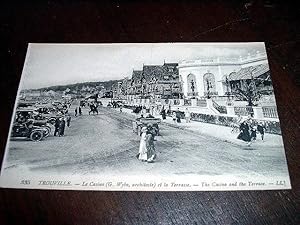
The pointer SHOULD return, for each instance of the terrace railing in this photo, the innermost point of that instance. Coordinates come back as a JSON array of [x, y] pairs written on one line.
[[243, 111], [270, 112]]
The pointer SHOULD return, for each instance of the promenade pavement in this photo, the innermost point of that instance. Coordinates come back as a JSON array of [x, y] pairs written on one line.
[[218, 131]]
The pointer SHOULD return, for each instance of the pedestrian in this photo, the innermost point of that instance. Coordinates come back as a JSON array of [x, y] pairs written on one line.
[[142, 155], [152, 110], [163, 113], [96, 108], [152, 129], [178, 116], [68, 120], [261, 127], [21, 119], [151, 154], [253, 133], [62, 125], [76, 111], [187, 115], [91, 109], [121, 108], [244, 133], [56, 126], [80, 112], [174, 117]]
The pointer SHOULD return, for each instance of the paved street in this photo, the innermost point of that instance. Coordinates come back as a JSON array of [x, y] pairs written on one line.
[[105, 144]]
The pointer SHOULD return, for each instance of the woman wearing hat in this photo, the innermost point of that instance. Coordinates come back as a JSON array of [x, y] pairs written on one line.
[[244, 132], [143, 148], [150, 134], [151, 155]]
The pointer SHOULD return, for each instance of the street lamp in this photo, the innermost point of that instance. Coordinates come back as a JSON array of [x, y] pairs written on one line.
[[208, 87], [252, 88], [227, 89]]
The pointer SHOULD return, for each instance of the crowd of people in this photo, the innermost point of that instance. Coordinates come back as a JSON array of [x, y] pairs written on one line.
[[161, 110], [60, 124], [248, 130], [93, 108]]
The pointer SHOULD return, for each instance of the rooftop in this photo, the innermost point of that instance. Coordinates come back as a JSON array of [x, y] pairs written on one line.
[[247, 72]]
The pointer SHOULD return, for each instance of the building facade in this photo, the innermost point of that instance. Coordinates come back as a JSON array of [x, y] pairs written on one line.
[[153, 82], [210, 77]]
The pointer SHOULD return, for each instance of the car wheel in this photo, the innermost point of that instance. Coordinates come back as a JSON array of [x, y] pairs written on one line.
[[36, 135]]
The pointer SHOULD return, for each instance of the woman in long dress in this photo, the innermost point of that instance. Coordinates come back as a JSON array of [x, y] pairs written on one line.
[[245, 133], [151, 154], [143, 148]]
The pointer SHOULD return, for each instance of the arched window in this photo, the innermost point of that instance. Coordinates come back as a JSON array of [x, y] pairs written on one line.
[[192, 85], [209, 83]]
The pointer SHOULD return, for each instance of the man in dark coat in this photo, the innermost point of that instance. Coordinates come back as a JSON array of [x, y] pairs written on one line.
[[261, 129], [163, 113], [178, 116], [68, 120], [76, 111], [80, 112], [56, 126], [62, 125]]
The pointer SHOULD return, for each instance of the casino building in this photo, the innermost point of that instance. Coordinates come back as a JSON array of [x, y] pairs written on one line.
[[215, 77]]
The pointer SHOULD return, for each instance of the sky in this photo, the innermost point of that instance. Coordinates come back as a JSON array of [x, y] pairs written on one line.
[[58, 64]]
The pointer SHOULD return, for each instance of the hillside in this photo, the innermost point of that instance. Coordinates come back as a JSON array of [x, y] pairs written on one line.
[[79, 86]]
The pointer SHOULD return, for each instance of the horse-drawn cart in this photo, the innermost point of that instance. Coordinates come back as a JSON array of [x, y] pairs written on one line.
[[139, 123]]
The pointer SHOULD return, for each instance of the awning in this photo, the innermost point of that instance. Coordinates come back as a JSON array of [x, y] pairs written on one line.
[[247, 72]]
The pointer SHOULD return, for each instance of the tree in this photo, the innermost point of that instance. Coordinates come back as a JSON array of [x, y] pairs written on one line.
[[249, 91]]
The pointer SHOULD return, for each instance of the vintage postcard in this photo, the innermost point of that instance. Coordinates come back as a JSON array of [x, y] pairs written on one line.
[[146, 117]]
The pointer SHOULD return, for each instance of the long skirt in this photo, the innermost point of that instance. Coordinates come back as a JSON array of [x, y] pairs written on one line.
[[143, 149], [244, 136], [151, 153]]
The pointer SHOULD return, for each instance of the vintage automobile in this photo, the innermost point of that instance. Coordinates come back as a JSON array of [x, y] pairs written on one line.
[[44, 125], [39, 120], [27, 130], [141, 122]]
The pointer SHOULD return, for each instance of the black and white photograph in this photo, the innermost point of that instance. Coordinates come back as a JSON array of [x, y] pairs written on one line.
[[146, 117]]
